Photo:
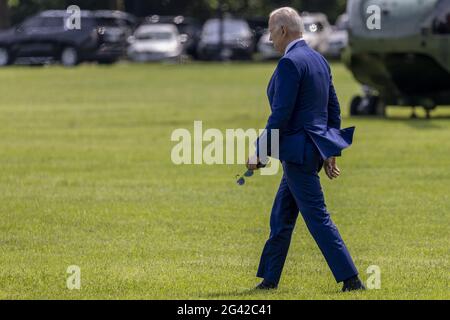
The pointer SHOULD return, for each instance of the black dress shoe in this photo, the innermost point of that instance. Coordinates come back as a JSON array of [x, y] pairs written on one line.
[[265, 286], [353, 284]]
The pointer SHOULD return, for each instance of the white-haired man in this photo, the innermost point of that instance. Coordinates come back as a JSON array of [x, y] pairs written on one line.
[[306, 112]]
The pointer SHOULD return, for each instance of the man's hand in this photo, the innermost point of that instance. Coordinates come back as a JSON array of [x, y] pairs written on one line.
[[252, 162], [331, 168]]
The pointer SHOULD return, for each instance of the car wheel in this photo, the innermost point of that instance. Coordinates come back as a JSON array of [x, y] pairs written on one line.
[[377, 106], [69, 57], [354, 106], [5, 57]]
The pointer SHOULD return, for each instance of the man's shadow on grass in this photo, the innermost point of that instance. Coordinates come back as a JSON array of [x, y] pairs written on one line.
[[252, 292]]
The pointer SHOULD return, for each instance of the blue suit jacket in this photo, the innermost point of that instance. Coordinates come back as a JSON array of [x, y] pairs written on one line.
[[304, 104]]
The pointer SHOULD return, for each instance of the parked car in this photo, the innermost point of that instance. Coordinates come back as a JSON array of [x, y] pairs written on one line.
[[129, 20], [124, 21], [155, 42], [338, 39], [188, 28], [237, 40], [266, 49], [258, 25], [117, 27], [317, 31], [45, 36]]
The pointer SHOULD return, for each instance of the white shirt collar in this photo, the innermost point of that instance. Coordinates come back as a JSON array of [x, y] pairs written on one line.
[[292, 43]]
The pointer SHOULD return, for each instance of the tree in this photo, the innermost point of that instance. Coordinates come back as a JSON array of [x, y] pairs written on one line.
[[4, 14], [15, 11]]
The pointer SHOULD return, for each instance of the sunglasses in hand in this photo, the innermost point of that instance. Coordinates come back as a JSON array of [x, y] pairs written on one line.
[[241, 178]]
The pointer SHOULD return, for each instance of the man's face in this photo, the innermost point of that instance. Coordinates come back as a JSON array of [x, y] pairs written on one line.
[[277, 36]]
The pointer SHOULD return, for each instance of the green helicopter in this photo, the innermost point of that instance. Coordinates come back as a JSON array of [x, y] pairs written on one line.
[[399, 50]]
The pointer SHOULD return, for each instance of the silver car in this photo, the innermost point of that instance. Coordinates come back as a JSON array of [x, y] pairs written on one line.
[[155, 42], [266, 49], [317, 30]]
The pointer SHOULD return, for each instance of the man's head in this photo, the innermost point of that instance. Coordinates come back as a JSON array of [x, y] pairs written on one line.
[[285, 25]]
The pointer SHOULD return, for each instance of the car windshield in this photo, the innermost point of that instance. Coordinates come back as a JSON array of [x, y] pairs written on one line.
[[108, 22], [233, 28], [153, 35], [313, 27]]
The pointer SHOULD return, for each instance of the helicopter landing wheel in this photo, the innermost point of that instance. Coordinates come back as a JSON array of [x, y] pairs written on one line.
[[413, 113], [428, 113], [355, 106], [368, 105]]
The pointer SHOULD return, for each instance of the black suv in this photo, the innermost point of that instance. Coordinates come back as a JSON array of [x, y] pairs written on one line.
[[237, 40], [100, 38]]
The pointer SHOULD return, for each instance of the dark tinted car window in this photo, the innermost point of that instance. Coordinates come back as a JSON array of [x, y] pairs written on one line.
[[189, 29], [185, 25], [52, 22], [88, 22], [109, 22], [441, 23], [44, 22], [33, 22]]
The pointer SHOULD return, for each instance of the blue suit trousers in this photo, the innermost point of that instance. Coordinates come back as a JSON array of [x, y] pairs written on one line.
[[300, 190]]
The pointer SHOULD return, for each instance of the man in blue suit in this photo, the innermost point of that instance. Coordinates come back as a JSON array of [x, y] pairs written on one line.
[[306, 113]]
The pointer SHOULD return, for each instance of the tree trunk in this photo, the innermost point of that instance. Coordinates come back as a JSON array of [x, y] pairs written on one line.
[[116, 5], [4, 14]]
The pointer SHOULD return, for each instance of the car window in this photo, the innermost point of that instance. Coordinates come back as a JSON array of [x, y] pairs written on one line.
[[43, 22], [55, 22], [233, 28], [154, 36], [314, 27], [52, 22], [33, 22], [109, 22], [187, 28], [441, 22], [88, 22]]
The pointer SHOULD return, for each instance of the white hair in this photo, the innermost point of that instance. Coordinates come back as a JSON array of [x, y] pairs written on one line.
[[289, 18]]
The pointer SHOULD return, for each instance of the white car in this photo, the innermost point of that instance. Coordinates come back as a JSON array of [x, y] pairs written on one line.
[[265, 47], [155, 42], [317, 31]]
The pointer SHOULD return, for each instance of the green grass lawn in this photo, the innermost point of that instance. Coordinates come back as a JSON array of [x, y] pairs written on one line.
[[86, 179]]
